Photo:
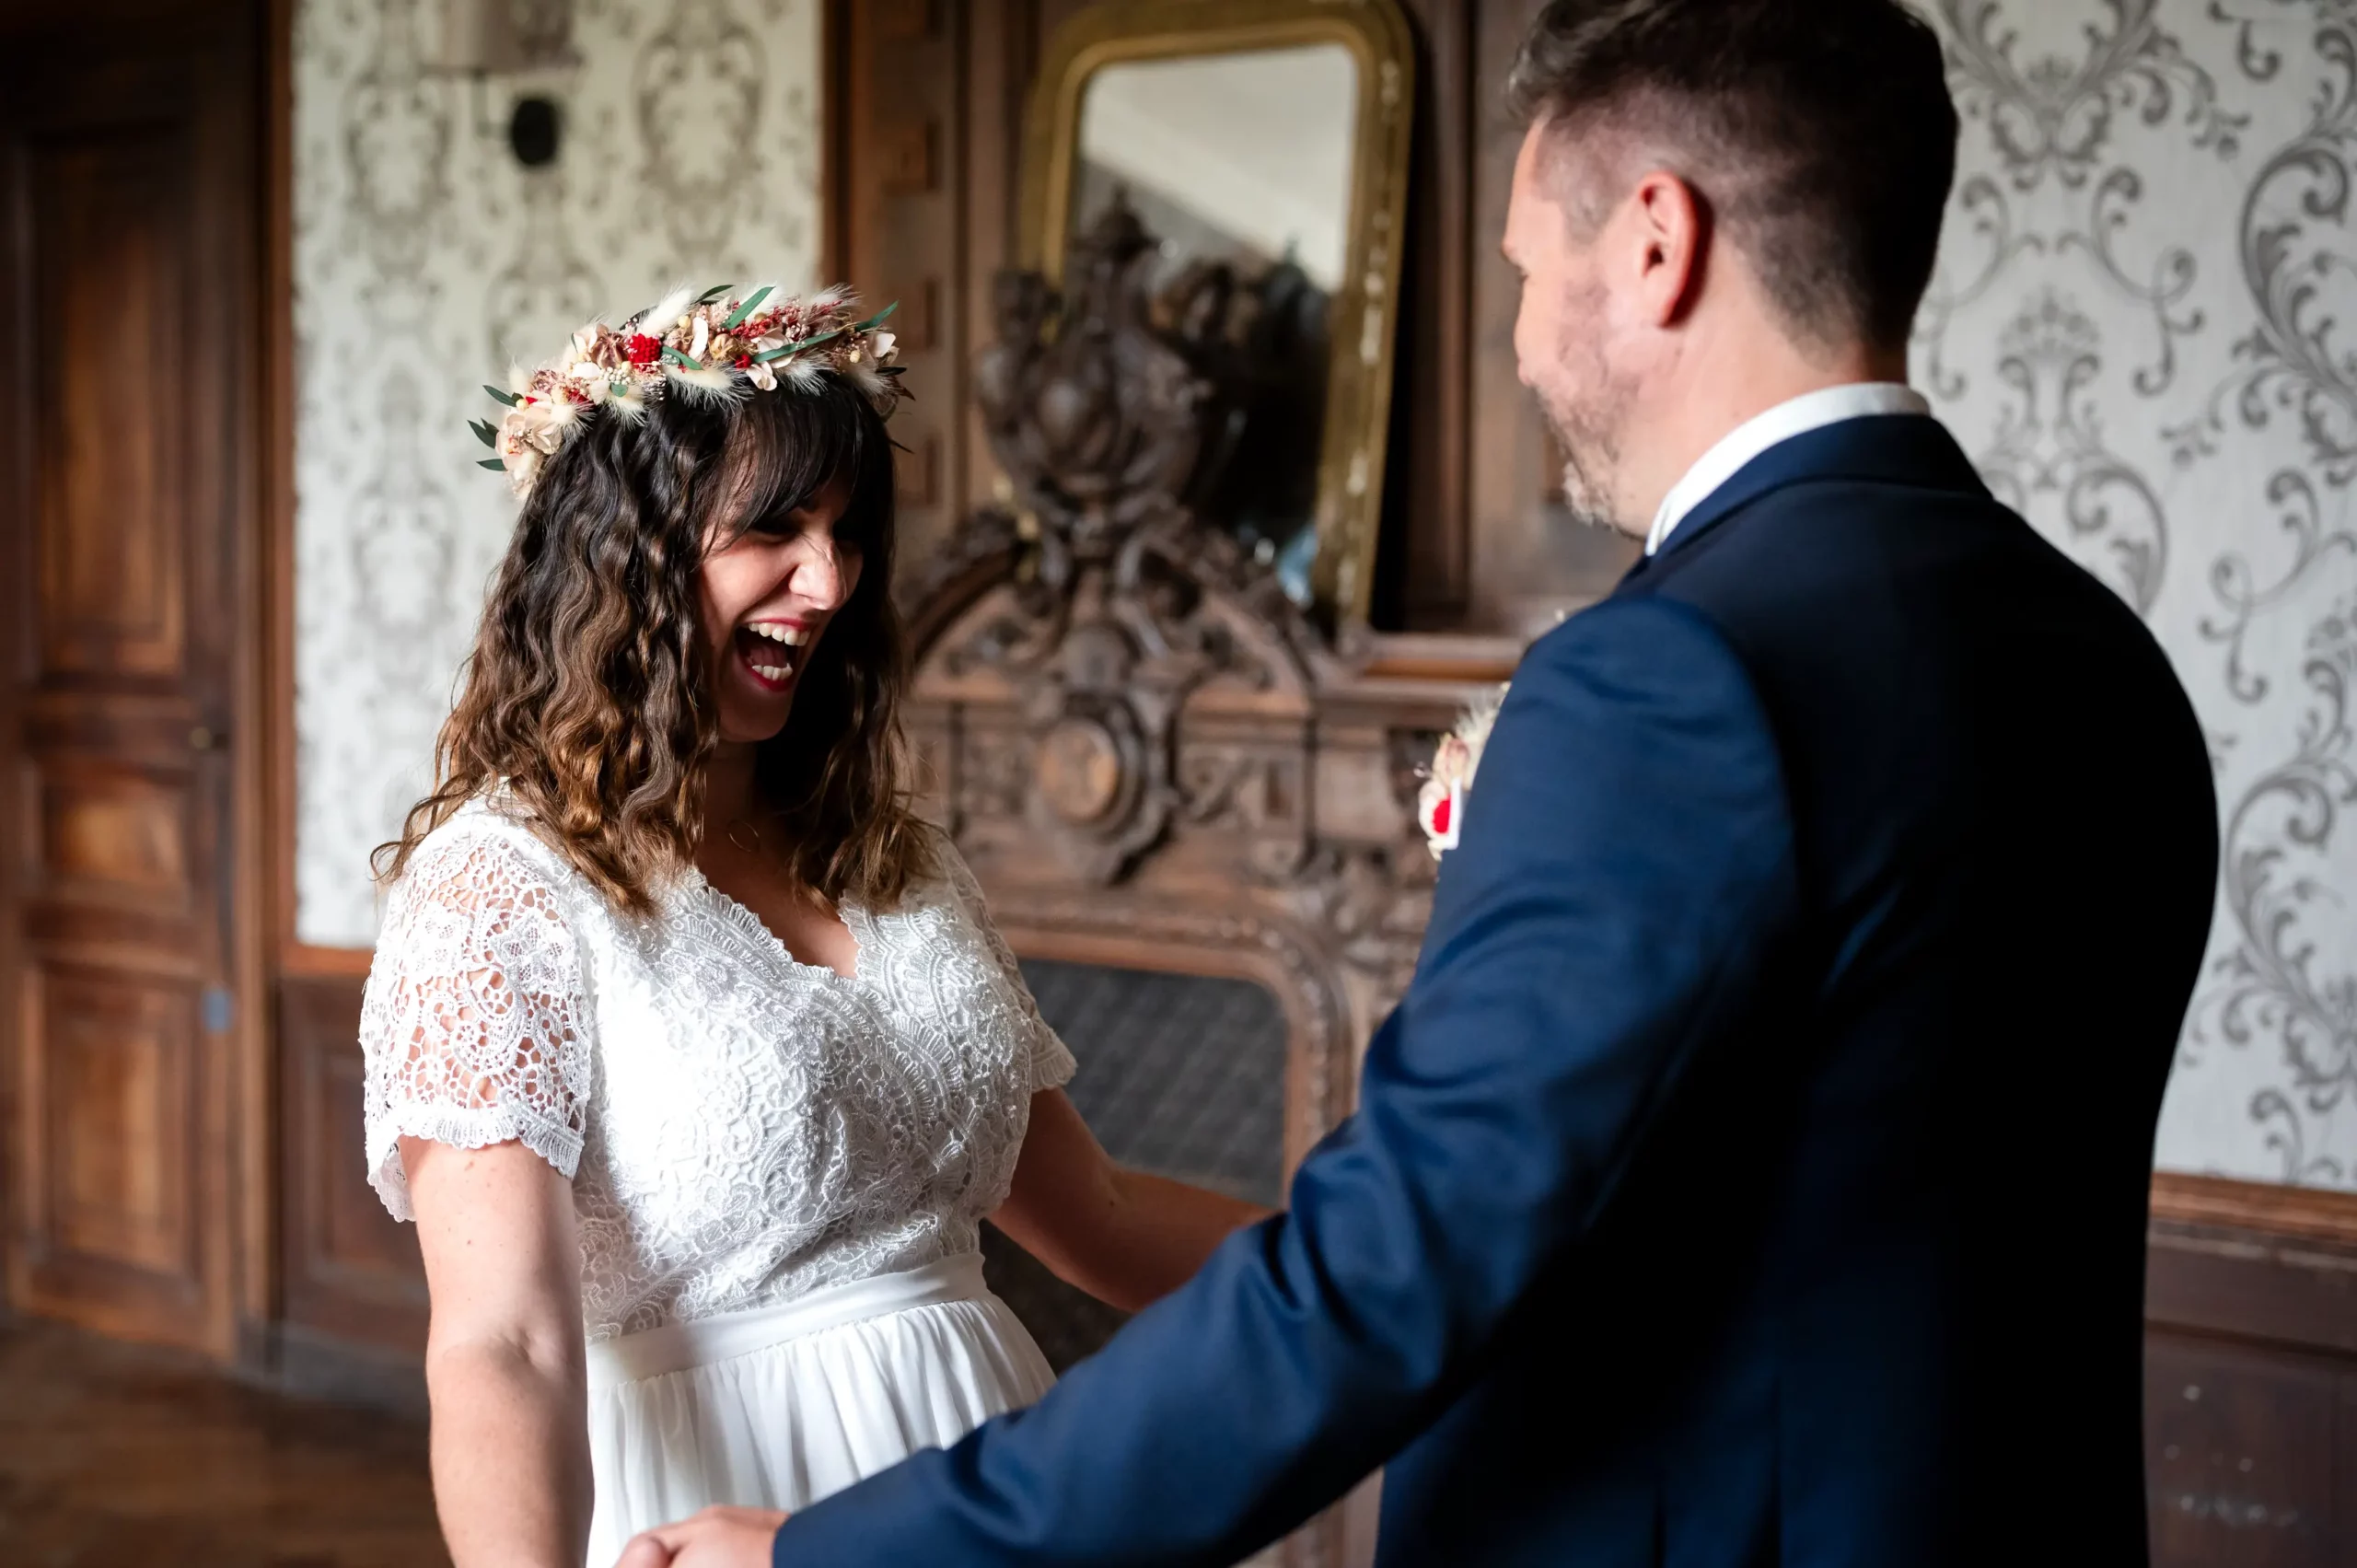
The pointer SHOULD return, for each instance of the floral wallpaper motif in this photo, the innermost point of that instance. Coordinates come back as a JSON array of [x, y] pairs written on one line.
[[428, 258], [2145, 328]]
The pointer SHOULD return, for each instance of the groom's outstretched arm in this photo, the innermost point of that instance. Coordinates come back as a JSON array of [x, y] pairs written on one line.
[[1624, 868]]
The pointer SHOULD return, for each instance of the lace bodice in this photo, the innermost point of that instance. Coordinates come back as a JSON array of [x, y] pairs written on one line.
[[739, 1128]]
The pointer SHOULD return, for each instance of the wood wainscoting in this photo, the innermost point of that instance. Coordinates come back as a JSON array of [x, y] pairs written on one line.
[[2250, 1375], [353, 1298]]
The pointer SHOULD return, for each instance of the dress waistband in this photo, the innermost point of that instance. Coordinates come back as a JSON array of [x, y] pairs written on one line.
[[675, 1347]]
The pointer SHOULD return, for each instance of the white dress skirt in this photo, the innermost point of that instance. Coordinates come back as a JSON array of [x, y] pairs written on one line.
[[778, 1408]]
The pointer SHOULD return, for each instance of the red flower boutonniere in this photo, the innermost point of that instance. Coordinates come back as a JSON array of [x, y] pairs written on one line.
[[1440, 805]]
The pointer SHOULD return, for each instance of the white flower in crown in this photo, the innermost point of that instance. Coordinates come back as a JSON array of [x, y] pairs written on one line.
[[1448, 779], [687, 345]]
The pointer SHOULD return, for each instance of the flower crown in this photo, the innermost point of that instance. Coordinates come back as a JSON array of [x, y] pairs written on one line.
[[708, 345]]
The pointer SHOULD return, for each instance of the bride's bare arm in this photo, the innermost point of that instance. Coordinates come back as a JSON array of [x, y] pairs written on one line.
[[1125, 1238], [504, 1362]]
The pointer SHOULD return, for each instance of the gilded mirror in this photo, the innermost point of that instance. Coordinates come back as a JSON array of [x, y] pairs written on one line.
[[1263, 144]]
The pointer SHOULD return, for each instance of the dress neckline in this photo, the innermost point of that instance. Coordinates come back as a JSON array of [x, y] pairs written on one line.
[[741, 916]]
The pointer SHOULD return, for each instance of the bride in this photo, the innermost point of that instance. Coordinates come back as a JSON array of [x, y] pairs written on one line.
[[691, 1050]]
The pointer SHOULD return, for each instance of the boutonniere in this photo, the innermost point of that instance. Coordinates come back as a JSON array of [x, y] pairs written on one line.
[[1449, 778]]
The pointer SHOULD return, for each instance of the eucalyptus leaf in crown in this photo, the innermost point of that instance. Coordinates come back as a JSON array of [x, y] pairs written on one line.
[[712, 345]]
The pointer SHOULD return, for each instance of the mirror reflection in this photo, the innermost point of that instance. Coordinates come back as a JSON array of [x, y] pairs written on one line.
[[1240, 165]]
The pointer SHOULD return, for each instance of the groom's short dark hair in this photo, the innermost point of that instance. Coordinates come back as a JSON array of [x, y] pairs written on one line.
[[1820, 132]]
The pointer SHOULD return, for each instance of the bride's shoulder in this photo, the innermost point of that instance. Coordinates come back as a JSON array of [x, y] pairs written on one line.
[[943, 874], [489, 845]]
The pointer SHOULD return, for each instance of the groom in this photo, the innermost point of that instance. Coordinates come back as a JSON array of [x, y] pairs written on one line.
[[1756, 1171]]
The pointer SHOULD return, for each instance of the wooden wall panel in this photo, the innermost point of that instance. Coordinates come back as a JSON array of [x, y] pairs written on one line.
[[2250, 1404], [350, 1272], [900, 86], [2248, 1454]]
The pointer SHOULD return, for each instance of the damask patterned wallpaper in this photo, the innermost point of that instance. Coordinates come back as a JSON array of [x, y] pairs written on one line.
[[2144, 328], [427, 258]]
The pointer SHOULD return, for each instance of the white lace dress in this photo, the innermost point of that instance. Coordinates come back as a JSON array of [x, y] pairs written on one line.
[[778, 1172]]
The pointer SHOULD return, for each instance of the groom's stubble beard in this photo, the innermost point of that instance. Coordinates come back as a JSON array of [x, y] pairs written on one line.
[[1587, 409]]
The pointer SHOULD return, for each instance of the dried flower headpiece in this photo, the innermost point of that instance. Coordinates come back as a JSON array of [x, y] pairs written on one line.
[[688, 345]]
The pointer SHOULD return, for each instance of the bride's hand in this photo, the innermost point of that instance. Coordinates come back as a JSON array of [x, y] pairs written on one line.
[[717, 1537]]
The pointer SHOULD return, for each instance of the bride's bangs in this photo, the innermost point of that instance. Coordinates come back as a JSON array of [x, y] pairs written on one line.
[[786, 448]]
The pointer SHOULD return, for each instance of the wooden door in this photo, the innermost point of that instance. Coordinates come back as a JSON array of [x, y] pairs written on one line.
[[128, 406]]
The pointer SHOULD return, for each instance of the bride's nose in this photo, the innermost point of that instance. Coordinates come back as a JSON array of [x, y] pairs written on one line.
[[824, 577]]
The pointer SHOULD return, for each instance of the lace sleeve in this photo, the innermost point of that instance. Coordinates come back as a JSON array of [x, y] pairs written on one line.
[[1051, 1060], [475, 1028]]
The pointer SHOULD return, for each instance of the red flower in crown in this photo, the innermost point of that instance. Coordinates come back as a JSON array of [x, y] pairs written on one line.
[[643, 350]]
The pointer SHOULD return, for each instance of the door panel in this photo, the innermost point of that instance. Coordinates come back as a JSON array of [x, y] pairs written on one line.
[[114, 836], [132, 168], [110, 265], [350, 1273], [119, 1054]]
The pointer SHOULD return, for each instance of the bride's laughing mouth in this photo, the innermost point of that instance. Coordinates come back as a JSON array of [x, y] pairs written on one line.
[[773, 652]]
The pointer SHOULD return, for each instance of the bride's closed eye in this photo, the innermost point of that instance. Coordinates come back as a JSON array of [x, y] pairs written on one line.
[[793, 525]]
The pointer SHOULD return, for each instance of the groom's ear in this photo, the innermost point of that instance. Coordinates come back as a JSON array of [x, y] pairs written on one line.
[[1663, 248]]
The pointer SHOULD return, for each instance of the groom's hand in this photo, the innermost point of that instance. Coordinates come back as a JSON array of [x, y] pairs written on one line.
[[717, 1537]]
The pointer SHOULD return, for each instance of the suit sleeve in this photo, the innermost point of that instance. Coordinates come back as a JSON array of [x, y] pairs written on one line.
[[1624, 873]]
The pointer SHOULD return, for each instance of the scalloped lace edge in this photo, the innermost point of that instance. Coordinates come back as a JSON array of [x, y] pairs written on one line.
[[460, 1128]]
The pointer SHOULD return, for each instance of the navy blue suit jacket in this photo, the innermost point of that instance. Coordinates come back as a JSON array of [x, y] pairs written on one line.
[[1756, 1170]]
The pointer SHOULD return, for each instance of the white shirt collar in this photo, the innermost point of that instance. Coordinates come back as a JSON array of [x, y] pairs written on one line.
[[1810, 410]]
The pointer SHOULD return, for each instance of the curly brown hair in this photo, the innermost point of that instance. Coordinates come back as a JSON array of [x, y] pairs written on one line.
[[588, 697]]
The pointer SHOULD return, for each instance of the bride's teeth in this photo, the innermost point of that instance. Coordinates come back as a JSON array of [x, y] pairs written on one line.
[[792, 636], [769, 671]]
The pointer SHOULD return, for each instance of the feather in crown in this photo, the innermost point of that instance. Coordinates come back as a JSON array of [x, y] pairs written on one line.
[[687, 345]]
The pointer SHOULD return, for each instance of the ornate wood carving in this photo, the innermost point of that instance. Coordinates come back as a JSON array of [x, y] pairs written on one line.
[[1153, 756]]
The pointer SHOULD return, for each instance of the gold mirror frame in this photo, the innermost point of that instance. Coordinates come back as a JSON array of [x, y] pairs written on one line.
[[1363, 326]]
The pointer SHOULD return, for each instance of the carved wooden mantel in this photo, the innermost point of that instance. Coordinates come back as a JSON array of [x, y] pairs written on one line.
[[1150, 756]]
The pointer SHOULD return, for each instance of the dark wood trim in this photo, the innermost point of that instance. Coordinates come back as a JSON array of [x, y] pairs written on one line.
[[2239, 1284], [834, 139], [1427, 581], [2215, 1201], [2253, 1261], [1439, 655], [19, 520], [303, 960], [266, 729], [280, 786], [1000, 49]]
